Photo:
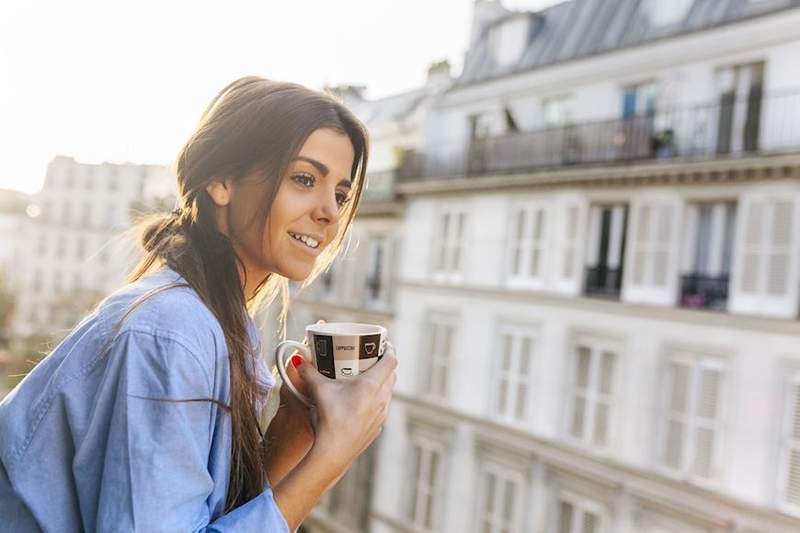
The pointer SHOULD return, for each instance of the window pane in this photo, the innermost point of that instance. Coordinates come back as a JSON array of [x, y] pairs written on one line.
[[508, 504], [565, 517], [679, 376], [590, 522], [584, 359], [577, 416], [703, 451], [601, 424], [606, 372], [490, 491], [673, 447], [415, 468]]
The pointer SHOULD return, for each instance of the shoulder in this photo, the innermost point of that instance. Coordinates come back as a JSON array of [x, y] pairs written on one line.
[[161, 307]]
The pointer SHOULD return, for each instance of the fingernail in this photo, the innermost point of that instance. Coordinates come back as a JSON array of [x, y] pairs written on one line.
[[297, 360]]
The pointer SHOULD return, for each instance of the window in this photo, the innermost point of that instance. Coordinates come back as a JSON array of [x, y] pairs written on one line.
[[528, 242], [790, 454], [449, 247], [348, 501], [66, 213], [80, 247], [376, 265], [639, 100], [426, 479], [705, 279], [111, 215], [558, 111], [508, 39], [57, 279], [513, 379], [61, 246], [591, 390], [438, 346], [578, 515], [692, 429], [36, 282], [501, 500], [41, 249], [607, 234], [86, 218], [740, 91]]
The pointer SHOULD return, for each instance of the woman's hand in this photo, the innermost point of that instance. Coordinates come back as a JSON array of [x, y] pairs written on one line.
[[347, 417], [349, 414]]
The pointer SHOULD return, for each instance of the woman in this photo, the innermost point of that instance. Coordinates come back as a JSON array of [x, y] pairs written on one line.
[[146, 416]]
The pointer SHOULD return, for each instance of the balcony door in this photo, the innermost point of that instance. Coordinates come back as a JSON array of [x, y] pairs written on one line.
[[607, 234], [739, 94]]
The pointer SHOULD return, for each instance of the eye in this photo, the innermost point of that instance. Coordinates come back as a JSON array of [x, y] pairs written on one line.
[[342, 198], [306, 180]]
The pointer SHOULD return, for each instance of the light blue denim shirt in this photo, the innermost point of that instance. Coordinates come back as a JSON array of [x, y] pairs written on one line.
[[79, 451]]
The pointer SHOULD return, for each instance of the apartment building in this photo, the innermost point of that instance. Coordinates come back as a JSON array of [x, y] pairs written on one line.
[[596, 299], [74, 254]]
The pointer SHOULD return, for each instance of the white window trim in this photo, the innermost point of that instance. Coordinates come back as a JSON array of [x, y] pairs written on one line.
[[504, 473], [696, 360], [420, 438], [450, 245], [517, 331], [583, 504], [598, 345], [437, 318], [524, 245]]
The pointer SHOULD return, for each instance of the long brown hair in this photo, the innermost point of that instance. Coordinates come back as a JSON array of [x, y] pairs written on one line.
[[252, 125]]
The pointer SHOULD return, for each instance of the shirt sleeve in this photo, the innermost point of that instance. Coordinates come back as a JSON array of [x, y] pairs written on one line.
[[155, 476]]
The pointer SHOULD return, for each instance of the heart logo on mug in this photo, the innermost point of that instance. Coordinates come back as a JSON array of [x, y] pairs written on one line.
[[369, 347]]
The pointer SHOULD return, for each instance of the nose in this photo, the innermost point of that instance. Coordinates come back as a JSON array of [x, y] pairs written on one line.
[[327, 209]]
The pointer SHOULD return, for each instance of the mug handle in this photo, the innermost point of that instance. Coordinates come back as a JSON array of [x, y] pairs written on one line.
[[280, 354]]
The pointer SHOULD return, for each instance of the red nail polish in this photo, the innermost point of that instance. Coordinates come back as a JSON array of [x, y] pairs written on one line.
[[297, 360]]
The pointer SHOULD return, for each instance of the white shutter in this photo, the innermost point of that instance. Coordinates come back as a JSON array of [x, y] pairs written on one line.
[[537, 222], [751, 249], [766, 266], [663, 240], [517, 240], [569, 242], [780, 249], [641, 245], [792, 459]]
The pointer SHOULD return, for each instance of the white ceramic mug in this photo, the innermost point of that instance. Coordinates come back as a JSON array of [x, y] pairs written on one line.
[[338, 350]]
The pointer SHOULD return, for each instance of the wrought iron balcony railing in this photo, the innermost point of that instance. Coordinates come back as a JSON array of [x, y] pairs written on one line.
[[735, 127], [704, 292], [603, 281]]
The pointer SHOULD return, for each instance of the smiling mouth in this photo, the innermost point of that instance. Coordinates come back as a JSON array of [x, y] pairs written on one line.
[[308, 242]]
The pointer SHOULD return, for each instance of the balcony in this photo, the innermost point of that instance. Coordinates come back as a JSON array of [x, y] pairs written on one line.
[[603, 281], [736, 127], [700, 291]]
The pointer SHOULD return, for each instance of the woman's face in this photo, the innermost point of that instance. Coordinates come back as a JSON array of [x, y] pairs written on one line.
[[304, 217]]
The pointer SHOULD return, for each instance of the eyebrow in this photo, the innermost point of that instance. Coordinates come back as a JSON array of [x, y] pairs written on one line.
[[323, 168]]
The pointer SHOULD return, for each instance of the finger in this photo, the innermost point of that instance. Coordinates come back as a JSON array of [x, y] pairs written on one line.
[[382, 370]]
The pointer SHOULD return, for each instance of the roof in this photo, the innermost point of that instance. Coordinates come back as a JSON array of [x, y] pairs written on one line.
[[581, 28]]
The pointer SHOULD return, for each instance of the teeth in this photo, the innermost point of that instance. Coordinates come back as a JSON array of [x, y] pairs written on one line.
[[311, 243]]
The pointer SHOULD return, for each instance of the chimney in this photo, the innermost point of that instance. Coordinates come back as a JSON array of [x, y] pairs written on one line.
[[438, 74], [483, 14]]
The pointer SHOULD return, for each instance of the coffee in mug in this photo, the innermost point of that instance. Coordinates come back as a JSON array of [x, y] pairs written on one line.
[[338, 350]]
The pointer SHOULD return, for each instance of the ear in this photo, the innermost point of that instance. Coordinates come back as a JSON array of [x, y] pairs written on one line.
[[220, 192]]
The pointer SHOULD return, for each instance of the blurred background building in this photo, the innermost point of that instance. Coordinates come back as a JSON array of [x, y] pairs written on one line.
[[591, 256]]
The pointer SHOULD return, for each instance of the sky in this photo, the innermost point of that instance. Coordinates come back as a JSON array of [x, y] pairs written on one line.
[[106, 80]]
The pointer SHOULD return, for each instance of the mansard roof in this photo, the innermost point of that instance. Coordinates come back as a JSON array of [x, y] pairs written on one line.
[[582, 28]]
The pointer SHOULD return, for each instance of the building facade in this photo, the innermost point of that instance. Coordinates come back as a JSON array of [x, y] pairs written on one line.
[[75, 253], [597, 283]]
